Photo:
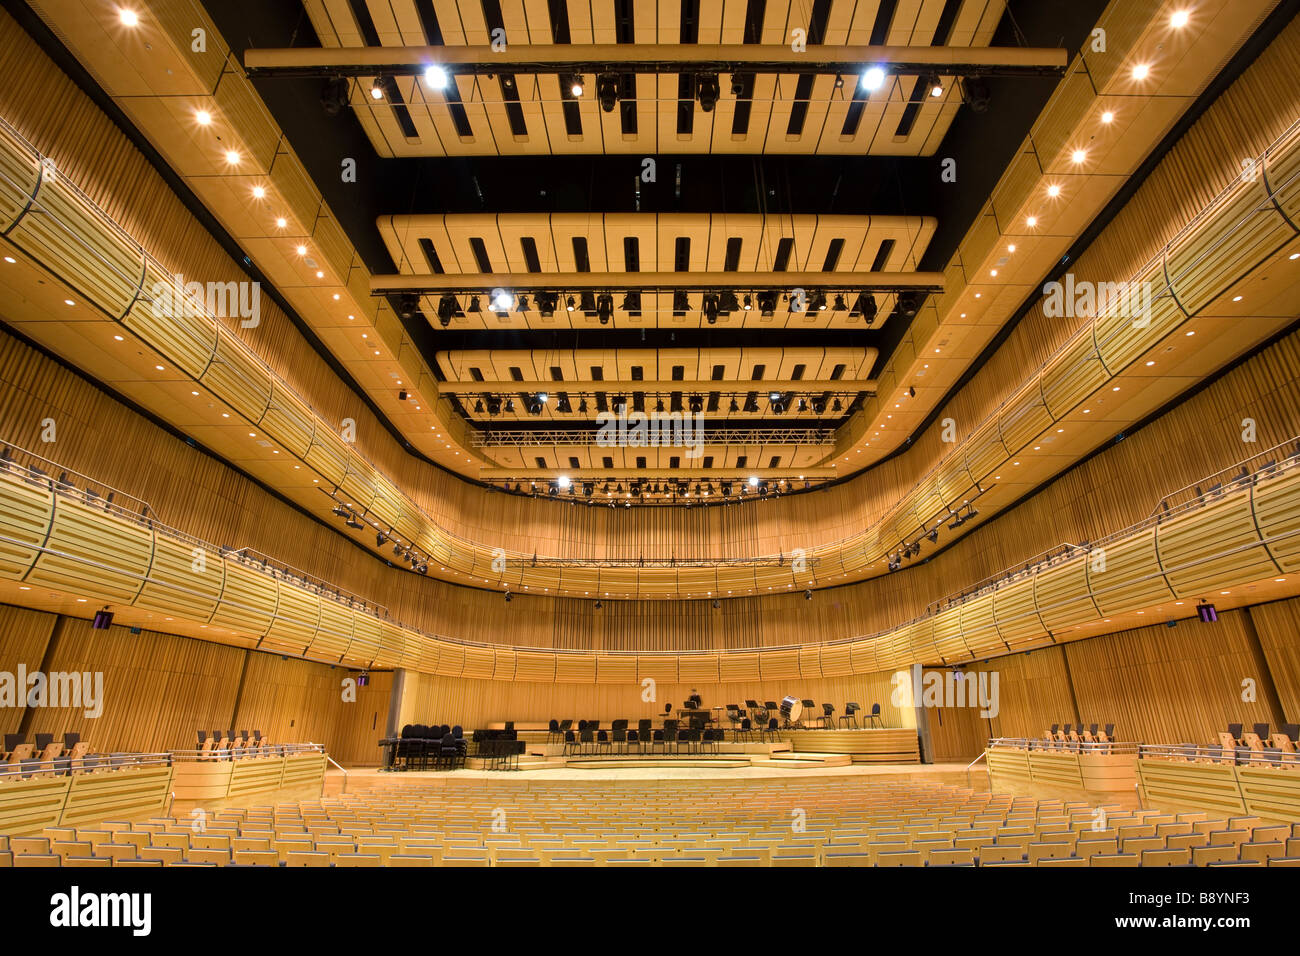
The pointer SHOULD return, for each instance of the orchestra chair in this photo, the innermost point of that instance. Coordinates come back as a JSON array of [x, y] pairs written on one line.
[[828, 716], [875, 715], [850, 716]]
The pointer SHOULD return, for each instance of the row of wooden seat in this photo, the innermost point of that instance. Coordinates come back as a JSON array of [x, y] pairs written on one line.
[[701, 823]]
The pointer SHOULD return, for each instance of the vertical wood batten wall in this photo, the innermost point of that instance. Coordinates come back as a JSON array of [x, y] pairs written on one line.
[[1156, 684], [158, 689]]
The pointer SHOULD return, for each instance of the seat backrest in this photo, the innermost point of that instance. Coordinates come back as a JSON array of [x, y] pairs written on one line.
[[553, 726], [586, 734], [852, 707], [1261, 731], [875, 710], [644, 724], [43, 741], [828, 709], [1292, 731], [1235, 730]]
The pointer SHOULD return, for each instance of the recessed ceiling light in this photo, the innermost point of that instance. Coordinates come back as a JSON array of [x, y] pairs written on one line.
[[68, 302], [1141, 71], [1031, 221], [1190, 334], [1149, 364], [232, 157], [11, 259], [993, 272], [1293, 256], [259, 192], [117, 338], [129, 18], [302, 250], [159, 368], [1011, 248], [1053, 191], [1108, 117], [1236, 298], [1179, 19], [281, 222], [1078, 156]]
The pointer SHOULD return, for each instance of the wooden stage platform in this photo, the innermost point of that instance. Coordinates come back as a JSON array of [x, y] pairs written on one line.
[[786, 750]]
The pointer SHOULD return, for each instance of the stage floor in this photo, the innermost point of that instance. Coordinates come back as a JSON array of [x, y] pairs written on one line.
[[950, 773]]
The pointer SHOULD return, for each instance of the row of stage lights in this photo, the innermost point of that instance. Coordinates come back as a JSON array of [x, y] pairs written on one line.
[[612, 87], [910, 549], [778, 404], [721, 490], [713, 305]]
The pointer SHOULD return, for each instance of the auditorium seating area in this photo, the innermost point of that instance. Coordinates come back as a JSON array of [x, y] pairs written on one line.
[[679, 823]]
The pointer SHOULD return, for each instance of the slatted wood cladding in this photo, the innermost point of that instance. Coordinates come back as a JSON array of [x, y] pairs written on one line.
[[24, 635], [1244, 119], [158, 689], [1156, 684], [204, 497], [476, 703]]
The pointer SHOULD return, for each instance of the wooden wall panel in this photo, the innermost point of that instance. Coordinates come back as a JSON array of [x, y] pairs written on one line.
[[158, 689], [24, 635], [476, 703], [1278, 627]]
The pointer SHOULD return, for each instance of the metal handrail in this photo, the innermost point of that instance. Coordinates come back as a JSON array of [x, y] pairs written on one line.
[[340, 767], [1046, 745], [61, 765], [1237, 755]]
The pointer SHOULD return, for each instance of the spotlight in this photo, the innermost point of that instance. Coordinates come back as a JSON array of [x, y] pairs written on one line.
[[509, 597], [740, 84], [587, 302], [767, 302], [340, 511], [377, 89], [435, 77], [401, 395], [711, 308], [908, 303], [681, 302], [523, 303], [408, 303], [706, 89], [501, 300], [975, 91], [604, 307], [568, 304], [716, 604], [1207, 613], [334, 96], [103, 620], [575, 86], [836, 406], [753, 481], [749, 303], [564, 482], [733, 408], [494, 406], [510, 408], [819, 301], [478, 407], [933, 534], [632, 303], [840, 304], [607, 91], [546, 302], [807, 595], [599, 605], [935, 85], [873, 78], [447, 307]]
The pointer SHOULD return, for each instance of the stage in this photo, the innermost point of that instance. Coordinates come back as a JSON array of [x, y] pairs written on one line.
[[783, 750]]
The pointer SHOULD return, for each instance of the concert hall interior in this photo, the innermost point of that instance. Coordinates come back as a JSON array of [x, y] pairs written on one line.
[[422, 418]]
